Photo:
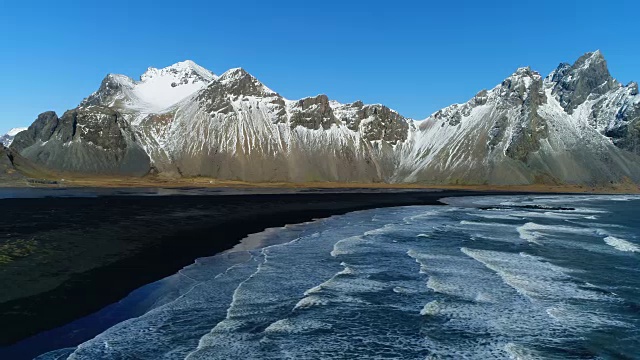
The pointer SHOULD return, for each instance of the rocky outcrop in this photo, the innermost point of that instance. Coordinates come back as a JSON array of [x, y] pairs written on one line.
[[313, 113], [617, 116], [587, 77], [110, 90], [15, 170], [524, 91], [8, 173], [88, 140], [238, 82], [608, 106]]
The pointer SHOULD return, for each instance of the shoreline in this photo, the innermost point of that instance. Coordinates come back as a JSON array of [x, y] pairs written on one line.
[[227, 219], [626, 186]]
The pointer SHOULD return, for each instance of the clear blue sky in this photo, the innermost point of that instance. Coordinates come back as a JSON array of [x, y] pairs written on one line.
[[414, 56]]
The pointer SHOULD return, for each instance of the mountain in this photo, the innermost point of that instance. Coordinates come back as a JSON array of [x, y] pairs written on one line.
[[7, 138], [576, 126]]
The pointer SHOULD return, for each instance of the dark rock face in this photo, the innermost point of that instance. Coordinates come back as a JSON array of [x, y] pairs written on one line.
[[109, 89], [214, 99], [523, 92], [238, 82], [14, 168], [235, 84], [633, 88], [378, 122], [625, 129], [313, 113], [589, 75], [453, 114], [625, 132], [91, 140], [615, 111], [375, 122], [497, 131], [42, 129], [7, 171]]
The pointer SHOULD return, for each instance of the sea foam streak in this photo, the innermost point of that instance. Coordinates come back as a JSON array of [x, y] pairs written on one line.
[[622, 245]]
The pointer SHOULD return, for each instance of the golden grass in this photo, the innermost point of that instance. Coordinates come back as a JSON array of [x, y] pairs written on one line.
[[124, 182]]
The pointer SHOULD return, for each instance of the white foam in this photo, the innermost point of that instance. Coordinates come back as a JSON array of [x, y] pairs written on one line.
[[404, 290], [491, 224], [622, 245], [527, 232], [428, 215], [311, 301], [495, 216], [533, 232], [346, 246], [520, 352], [532, 276], [289, 326], [431, 308], [570, 317]]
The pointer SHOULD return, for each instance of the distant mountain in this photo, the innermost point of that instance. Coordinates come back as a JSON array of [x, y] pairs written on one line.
[[7, 138], [576, 126]]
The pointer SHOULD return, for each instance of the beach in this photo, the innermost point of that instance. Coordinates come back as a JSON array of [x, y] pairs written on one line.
[[67, 257]]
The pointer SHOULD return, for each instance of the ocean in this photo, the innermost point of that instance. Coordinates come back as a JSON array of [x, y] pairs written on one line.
[[506, 277]]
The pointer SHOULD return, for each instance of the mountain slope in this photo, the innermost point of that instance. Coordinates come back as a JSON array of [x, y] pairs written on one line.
[[523, 131], [237, 128], [576, 126]]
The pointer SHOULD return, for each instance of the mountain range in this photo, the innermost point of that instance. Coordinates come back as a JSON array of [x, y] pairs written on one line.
[[578, 125]]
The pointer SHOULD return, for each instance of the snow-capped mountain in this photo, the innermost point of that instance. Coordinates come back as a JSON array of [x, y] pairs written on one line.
[[157, 90], [578, 125], [7, 138], [532, 130]]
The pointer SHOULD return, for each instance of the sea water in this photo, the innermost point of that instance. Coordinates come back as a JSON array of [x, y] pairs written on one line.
[[512, 277]]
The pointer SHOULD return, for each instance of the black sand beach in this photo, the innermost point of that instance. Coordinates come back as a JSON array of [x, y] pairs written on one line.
[[65, 258]]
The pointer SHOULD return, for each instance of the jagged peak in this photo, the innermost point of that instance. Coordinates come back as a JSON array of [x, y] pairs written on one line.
[[587, 77], [234, 75], [117, 79], [591, 61], [523, 78], [240, 82], [182, 69], [525, 72], [589, 57]]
